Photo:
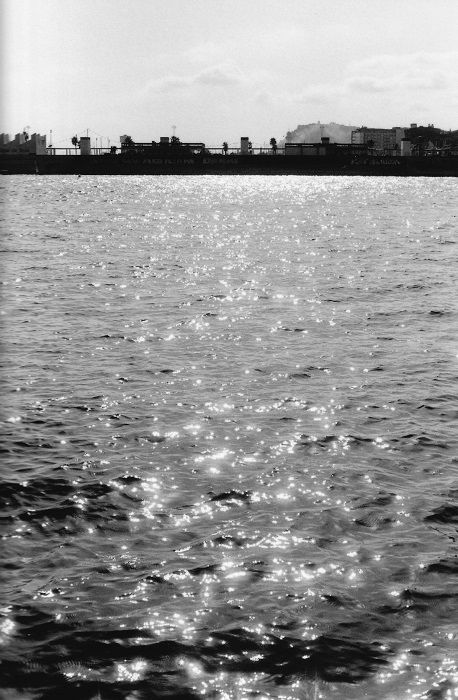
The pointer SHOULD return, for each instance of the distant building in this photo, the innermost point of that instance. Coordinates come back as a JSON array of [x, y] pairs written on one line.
[[85, 145], [35, 145], [244, 145], [380, 139], [308, 149], [325, 147], [406, 147]]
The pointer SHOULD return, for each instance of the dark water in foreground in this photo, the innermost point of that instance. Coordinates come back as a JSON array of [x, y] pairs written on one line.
[[230, 446]]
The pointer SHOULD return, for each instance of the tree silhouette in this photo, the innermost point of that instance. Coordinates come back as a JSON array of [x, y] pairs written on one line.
[[273, 143], [75, 141], [225, 147]]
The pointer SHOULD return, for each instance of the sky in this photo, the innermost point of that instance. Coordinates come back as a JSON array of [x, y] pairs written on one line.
[[216, 70]]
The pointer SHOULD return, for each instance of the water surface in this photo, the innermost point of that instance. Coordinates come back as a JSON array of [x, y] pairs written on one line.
[[229, 437]]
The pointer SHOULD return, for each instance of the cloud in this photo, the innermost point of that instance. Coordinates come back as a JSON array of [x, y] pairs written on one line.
[[206, 53], [222, 75], [423, 81], [381, 89], [218, 76], [367, 84], [409, 72], [387, 74], [391, 77], [264, 98], [169, 84], [320, 94]]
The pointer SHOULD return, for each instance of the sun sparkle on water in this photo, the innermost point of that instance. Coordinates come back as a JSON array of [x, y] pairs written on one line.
[[230, 438]]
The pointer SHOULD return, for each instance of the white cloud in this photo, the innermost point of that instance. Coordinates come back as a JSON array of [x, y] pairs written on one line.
[[380, 90], [169, 84], [205, 53], [222, 75], [365, 83], [410, 72], [219, 76], [320, 94], [397, 80], [264, 98]]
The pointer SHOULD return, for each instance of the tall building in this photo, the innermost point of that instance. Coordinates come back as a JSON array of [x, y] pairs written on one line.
[[380, 139], [22, 143]]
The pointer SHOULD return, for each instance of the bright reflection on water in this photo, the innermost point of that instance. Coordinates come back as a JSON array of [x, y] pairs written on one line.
[[230, 447]]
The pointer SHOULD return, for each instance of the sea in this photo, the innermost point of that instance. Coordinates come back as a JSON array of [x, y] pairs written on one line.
[[229, 438]]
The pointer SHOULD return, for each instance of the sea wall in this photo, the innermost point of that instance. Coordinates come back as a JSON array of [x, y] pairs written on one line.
[[112, 164]]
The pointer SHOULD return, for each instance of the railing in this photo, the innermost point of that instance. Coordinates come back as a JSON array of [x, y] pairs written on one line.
[[51, 151], [265, 151], [159, 147], [72, 151], [252, 151]]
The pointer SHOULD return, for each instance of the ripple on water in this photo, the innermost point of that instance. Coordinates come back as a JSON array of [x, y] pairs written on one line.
[[229, 438]]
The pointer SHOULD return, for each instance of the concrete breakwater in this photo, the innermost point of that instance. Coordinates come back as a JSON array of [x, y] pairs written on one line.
[[112, 164]]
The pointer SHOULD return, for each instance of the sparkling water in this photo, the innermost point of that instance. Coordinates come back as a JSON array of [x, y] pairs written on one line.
[[230, 445]]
